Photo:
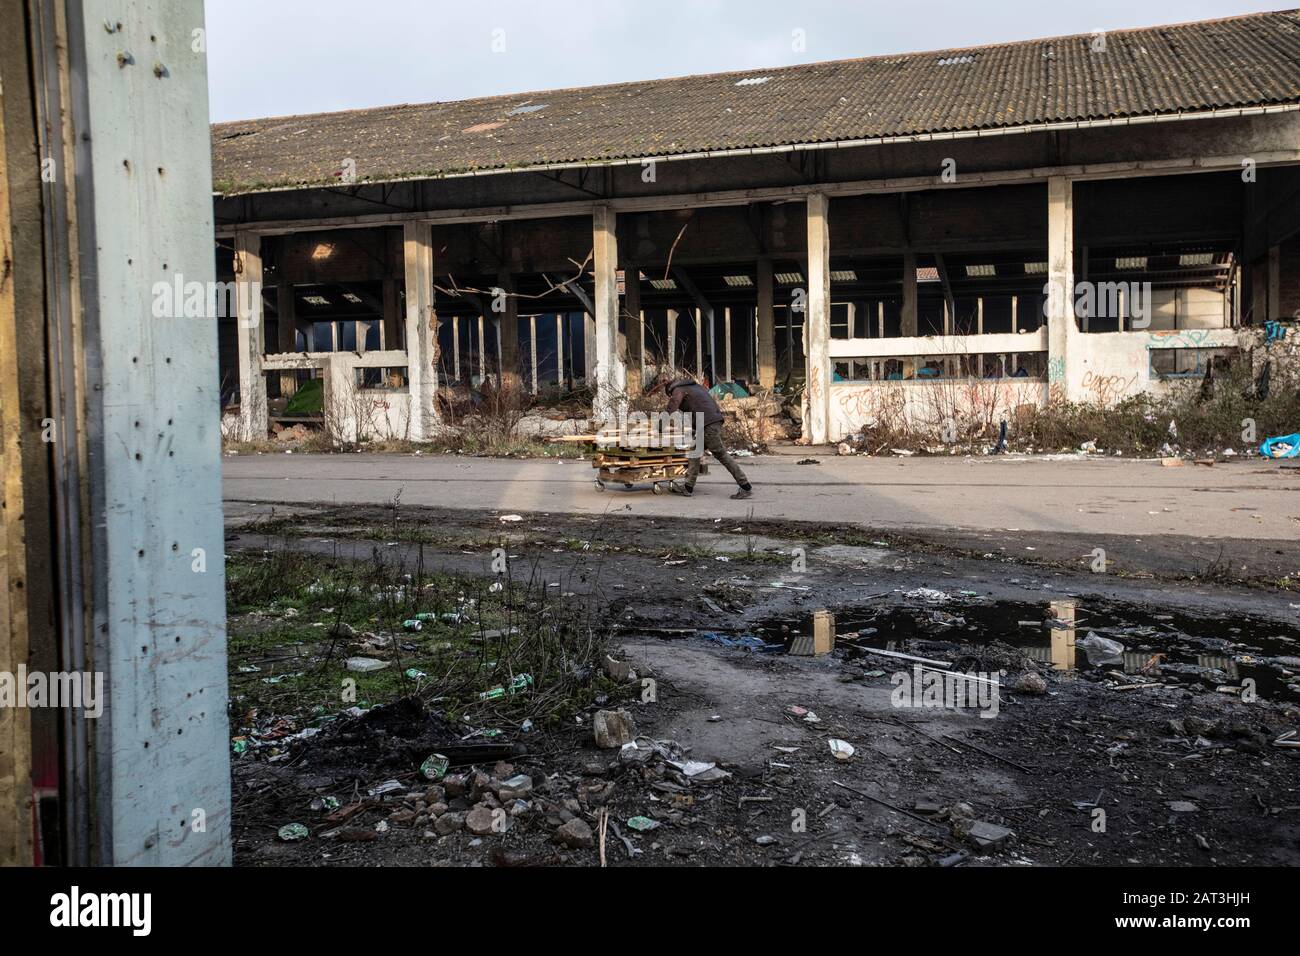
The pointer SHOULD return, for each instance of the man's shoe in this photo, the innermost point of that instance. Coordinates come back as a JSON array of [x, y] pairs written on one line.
[[682, 490], [742, 493]]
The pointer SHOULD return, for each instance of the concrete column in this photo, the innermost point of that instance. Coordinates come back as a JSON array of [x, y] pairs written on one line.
[[766, 326], [908, 324], [611, 375], [392, 315], [559, 346], [633, 323], [588, 347], [508, 336], [532, 350], [421, 329], [137, 556], [1060, 285], [726, 345], [252, 383], [817, 322], [672, 340], [482, 351], [699, 343], [287, 309], [455, 347]]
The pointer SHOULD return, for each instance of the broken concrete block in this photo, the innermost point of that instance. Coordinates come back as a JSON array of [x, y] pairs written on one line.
[[618, 671], [575, 834], [479, 820], [455, 784], [613, 728], [1032, 682], [989, 836], [449, 823], [516, 788], [479, 784]]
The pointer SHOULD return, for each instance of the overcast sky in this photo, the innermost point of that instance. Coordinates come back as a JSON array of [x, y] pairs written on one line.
[[276, 57]]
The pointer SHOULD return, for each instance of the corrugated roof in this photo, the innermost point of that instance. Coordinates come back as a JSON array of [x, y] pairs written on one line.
[[1237, 62]]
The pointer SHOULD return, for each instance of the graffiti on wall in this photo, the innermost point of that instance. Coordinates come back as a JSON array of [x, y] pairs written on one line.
[[1106, 389]]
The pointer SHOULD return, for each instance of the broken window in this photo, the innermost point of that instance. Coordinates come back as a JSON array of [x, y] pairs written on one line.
[[381, 379], [1188, 363], [930, 368], [841, 320]]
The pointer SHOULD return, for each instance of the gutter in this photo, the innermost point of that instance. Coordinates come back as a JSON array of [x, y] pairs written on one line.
[[1232, 113]]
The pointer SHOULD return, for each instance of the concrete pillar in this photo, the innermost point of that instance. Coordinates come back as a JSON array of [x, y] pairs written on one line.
[[421, 329], [908, 325], [1060, 285], [559, 346], [588, 347], [611, 375], [672, 340], [766, 326], [508, 334], [532, 349], [482, 351], [699, 343], [726, 344], [252, 383], [392, 338], [633, 323], [817, 321], [455, 347], [287, 313], [136, 561]]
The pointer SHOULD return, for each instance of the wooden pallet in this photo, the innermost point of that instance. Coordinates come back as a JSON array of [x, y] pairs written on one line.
[[631, 463]]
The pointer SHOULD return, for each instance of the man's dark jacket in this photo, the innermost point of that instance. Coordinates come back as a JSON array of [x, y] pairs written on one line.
[[685, 395]]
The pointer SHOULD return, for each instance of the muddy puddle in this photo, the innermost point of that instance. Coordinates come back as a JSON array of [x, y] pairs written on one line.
[[1070, 636]]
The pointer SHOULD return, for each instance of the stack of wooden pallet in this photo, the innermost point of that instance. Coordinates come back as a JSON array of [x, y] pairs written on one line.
[[637, 457]]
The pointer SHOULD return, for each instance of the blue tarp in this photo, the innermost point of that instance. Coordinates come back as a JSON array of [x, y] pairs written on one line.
[[728, 388], [1283, 446], [743, 640]]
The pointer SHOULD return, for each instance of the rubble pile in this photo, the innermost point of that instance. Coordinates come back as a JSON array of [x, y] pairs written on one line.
[[760, 418]]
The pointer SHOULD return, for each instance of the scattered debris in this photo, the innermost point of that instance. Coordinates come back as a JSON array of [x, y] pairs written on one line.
[[613, 729], [292, 832], [1032, 683], [842, 749]]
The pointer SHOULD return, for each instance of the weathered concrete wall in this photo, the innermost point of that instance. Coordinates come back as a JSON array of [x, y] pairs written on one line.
[[1104, 368], [1115, 365], [929, 406]]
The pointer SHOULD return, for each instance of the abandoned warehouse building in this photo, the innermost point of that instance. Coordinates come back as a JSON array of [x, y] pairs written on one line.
[[1080, 218]]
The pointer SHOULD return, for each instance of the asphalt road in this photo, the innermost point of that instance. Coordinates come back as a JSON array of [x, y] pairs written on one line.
[[1239, 499]]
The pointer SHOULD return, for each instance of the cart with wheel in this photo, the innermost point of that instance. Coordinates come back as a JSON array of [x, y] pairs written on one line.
[[631, 460]]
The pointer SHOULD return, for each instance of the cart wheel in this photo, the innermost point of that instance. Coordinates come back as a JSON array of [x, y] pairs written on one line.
[[600, 485], [657, 488]]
